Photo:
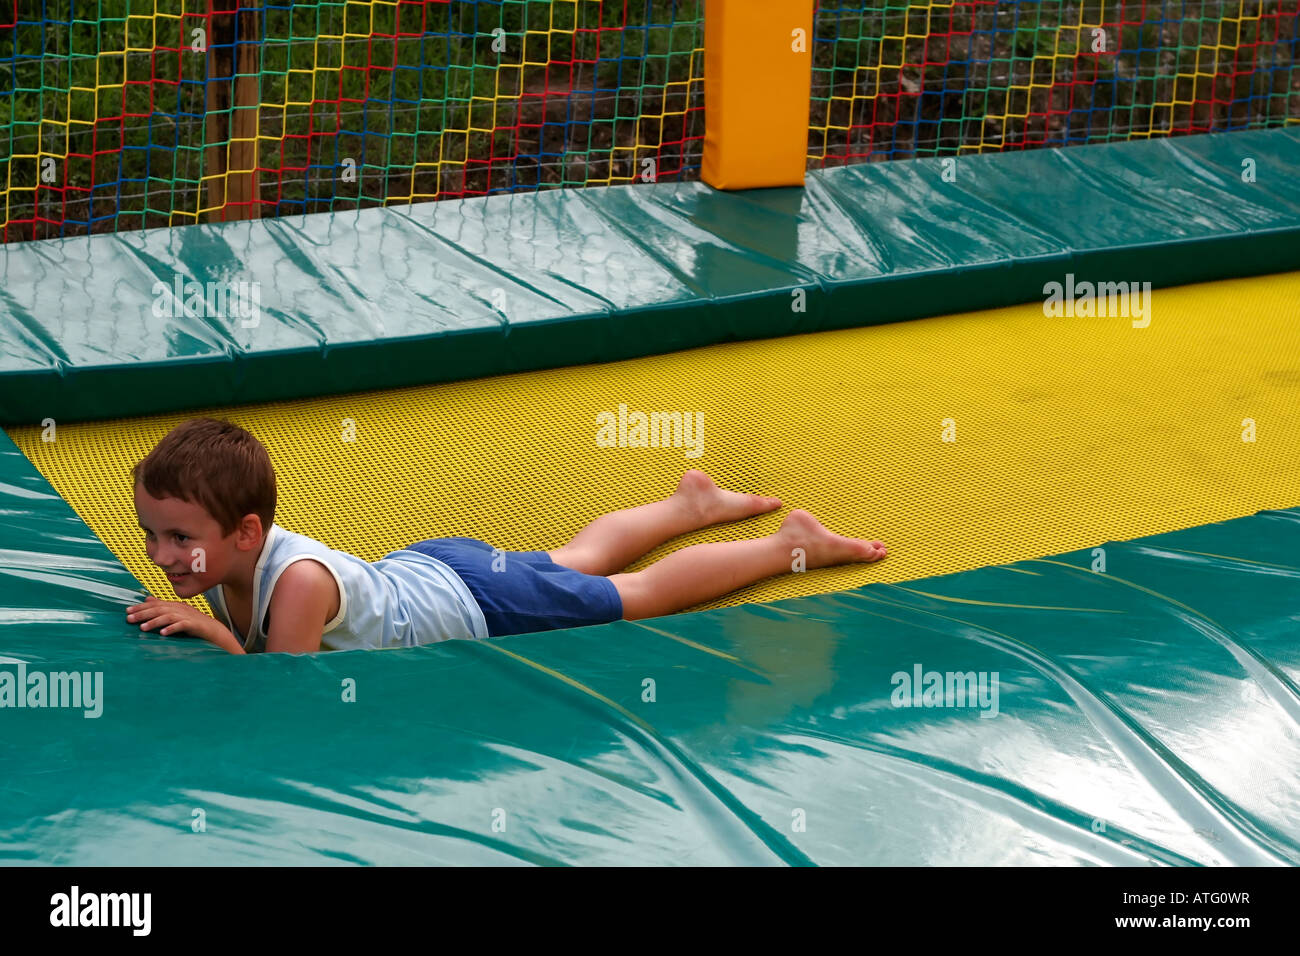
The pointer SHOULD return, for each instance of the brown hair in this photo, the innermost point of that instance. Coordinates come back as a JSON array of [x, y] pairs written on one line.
[[215, 464]]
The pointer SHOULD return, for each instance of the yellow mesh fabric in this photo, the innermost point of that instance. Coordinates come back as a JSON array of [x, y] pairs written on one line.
[[1069, 432]]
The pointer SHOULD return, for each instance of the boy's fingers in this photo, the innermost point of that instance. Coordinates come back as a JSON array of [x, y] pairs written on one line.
[[148, 610]]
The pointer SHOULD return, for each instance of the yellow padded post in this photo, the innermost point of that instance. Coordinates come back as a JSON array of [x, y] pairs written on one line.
[[757, 88]]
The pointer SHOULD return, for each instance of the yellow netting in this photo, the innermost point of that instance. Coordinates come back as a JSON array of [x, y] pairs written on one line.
[[1069, 432]]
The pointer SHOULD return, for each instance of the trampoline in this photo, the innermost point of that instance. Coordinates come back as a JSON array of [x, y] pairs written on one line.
[[1099, 513], [1067, 432]]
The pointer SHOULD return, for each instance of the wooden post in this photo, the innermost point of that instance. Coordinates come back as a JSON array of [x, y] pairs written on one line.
[[233, 92]]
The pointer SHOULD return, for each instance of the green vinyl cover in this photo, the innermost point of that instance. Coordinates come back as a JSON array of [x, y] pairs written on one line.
[[386, 297], [1144, 714]]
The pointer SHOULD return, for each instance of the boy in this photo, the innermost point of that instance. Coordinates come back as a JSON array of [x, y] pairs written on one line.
[[205, 497]]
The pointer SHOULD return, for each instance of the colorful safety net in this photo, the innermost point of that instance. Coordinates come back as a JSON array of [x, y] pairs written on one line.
[[126, 114]]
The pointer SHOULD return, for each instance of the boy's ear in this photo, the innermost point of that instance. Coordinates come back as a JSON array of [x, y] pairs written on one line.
[[250, 532]]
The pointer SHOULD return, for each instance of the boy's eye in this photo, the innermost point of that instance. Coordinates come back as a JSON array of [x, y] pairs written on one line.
[[181, 537]]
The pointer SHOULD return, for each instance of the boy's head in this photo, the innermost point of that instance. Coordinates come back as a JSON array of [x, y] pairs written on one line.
[[205, 493]]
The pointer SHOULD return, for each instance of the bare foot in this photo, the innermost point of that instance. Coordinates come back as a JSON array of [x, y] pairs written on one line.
[[822, 547], [712, 505]]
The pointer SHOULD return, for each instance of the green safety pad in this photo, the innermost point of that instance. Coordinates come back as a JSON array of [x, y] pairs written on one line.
[[61, 589], [396, 296], [1146, 713]]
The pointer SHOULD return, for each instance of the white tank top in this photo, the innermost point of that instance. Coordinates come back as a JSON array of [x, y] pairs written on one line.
[[403, 599]]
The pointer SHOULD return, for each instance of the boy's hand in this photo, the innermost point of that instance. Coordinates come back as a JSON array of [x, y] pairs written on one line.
[[167, 617], [172, 617]]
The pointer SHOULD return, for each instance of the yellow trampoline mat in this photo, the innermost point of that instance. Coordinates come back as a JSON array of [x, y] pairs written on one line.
[[1068, 432]]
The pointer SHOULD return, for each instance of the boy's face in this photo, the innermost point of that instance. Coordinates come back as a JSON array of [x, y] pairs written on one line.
[[185, 541]]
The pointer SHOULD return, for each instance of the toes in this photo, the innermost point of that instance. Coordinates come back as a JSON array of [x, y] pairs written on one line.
[[872, 550]]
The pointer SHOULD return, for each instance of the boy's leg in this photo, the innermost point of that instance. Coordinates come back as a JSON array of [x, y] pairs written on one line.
[[706, 571], [615, 540]]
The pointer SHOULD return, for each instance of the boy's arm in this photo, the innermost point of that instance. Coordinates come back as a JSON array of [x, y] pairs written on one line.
[[305, 599], [220, 635]]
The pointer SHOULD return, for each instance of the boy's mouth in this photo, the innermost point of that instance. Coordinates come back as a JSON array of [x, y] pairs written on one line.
[[176, 578]]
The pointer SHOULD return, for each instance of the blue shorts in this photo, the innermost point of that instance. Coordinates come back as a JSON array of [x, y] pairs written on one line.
[[530, 592]]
